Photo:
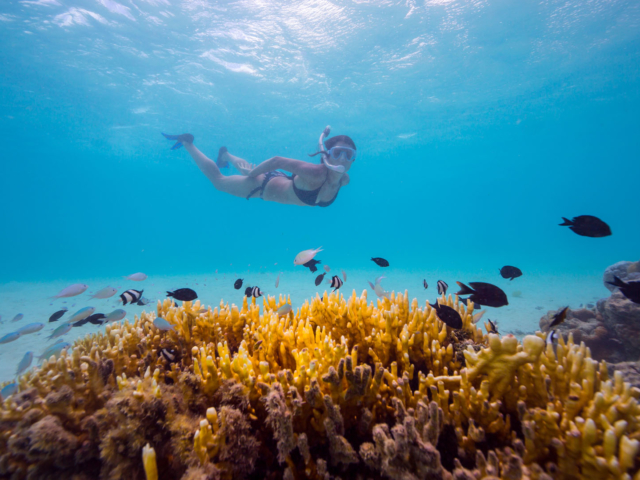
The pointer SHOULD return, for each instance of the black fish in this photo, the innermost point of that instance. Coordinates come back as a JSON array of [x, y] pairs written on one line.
[[238, 284], [319, 278], [631, 290], [467, 301], [80, 323], [492, 327], [381, 262], [587, 226], [448, 315], [255, 292], [510, 272], [442, 287], [96, 318], [131, 296], [56, 316], [183, 294], [247, 291], [425, 284], [558, 318], [311, 265], [336, 282], [484, 294]]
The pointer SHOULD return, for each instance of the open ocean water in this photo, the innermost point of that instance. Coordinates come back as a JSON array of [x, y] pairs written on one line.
[[478, 125]]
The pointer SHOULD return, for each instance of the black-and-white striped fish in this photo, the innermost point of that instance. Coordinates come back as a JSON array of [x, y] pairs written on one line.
[[425, 284], [493, 328], [253, 292], [442, 287], [169, 354], [131, 296], [336, 283], [552, 339]]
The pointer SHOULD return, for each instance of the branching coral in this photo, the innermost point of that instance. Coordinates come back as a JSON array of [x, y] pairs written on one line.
[[339, 388]]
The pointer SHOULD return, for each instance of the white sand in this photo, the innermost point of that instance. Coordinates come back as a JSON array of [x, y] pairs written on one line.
[[549, 291]]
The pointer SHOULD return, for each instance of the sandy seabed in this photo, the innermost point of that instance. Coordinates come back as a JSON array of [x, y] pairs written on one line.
[[540, 292]]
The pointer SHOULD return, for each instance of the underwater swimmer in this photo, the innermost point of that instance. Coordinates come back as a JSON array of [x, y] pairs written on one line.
[[309, 184]]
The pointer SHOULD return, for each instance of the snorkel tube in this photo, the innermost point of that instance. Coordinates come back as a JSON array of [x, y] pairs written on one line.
[[325, 133]]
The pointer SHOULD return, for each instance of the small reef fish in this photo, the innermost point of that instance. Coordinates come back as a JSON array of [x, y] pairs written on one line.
[[143, 301], [510, 272], [106, 292], [448, 315], [491, 327], [381, 262], [425, 284], [311, 265], [253, 292], [8, 390], [319, 278], [61, 330], [81, 322], [306, 255], [54, 349], [587, 226], [559, 317], [57, 315], [116, 315], [442, 287], [344, 275], [380, 292], [30, 328], [284, 310], [183, 294], [10, 337], [169, 354], [335, 283], [484, 294], [277, 280], [161, 324], [71, 291], [81, 314], [238, 284], [631, 290], [327, 268], [131, 296], [552, 339], [137, 277], [24, 363], [478, 316], [95, 319], [18, 317]]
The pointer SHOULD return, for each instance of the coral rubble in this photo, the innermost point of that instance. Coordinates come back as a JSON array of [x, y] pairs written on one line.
[[342, 388]]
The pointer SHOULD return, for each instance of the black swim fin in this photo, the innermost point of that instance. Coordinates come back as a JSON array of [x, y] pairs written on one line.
[[180, 139], [219, 162]]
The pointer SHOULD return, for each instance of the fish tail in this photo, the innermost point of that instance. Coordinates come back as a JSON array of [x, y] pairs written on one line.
[[464, 290], [566, 222], [617, 282]]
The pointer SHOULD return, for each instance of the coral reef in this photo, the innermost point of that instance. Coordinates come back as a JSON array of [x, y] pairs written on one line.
[[341, 388]]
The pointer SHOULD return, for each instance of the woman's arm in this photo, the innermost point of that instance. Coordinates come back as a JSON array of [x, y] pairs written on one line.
[[296, 167]]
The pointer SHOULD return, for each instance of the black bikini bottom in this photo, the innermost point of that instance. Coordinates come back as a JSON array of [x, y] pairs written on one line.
[[267, 176]]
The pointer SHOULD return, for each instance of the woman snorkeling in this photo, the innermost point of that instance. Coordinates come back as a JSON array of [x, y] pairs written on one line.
[[309, 184]]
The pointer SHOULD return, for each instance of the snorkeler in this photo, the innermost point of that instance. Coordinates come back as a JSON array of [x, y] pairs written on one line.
[[309, 184]]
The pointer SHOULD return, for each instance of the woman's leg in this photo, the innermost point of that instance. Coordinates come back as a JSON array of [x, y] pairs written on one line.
[[237, 185]]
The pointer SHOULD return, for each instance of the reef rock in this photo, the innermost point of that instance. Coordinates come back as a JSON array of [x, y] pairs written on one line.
[[622, 317], [630, 372], [623, 270]]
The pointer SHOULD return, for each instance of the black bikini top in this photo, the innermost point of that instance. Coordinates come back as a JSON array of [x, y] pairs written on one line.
[[309, 197]]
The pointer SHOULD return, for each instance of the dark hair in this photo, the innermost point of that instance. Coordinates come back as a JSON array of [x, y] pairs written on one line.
[[330, 142]]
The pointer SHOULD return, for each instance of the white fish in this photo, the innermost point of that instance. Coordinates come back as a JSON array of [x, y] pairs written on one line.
[[284, 310], [24, 363], [81, 314], [114, 316], [161, 324], [18, 317], [478, 316], [106, 292], [344, 275], [71, 291], [10, 337], [306, 255], [380, 292], [137, 277], [61, 330], [277, 280], [327, 268], [30, 328], [8, 390], [54, 349]]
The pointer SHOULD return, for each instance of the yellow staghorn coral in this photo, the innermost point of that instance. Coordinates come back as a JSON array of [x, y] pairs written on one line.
[[340, 387]]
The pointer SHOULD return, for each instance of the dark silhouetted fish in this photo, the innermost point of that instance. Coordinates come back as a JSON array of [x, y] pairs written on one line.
[[238, 284], [381, 262], [311, 265], [587, 226], [319, 278], [559, 317], [510, 272], [247, 291], [425, 284], [442, 287], [631, 290], [96, 318], [183, 294], [255, 292], [58, 315], [484, 294], [448, 315]]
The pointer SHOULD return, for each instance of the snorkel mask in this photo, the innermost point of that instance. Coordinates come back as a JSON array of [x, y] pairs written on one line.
[[334, 153]]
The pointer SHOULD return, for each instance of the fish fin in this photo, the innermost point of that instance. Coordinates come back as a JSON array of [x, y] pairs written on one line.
[[511, 278], [371, 285], [379, 279], [617, 282], [464, 290], [566, 222]]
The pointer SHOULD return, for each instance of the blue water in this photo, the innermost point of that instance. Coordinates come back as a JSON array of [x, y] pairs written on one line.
[[479, 124]]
